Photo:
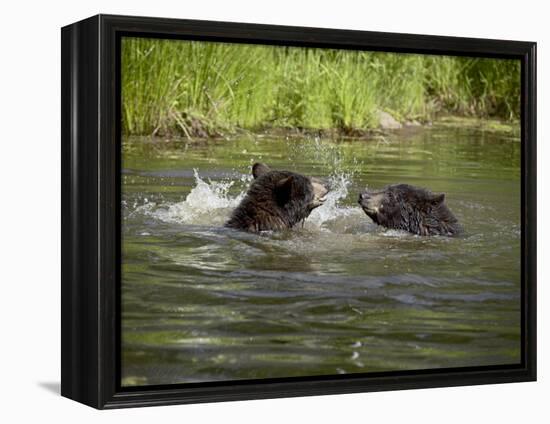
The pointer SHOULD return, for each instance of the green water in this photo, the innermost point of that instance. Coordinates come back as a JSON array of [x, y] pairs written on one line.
[[340, 295]]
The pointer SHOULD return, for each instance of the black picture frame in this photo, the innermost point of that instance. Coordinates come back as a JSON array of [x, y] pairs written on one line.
[[90, 139]]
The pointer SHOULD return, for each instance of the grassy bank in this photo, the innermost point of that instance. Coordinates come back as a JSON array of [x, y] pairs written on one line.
[[199, 89]]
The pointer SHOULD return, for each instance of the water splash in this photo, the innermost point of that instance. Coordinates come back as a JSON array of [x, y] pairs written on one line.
[[333, 215], [207, 203], [211, 203], [325, 155], [332, 209]]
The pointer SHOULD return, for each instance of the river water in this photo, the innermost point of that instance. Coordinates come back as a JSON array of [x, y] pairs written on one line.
[[341, 295]]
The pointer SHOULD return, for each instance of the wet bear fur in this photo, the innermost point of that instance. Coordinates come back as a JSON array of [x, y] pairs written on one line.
[[277, 200], [410, 208]]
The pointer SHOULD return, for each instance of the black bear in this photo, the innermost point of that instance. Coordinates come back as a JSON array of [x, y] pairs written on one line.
[[277, 200], [409, 208]]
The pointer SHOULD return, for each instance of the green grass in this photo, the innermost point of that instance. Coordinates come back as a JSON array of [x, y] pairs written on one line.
[[200, 89]]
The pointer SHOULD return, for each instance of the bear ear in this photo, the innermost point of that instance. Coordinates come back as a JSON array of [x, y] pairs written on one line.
[[283, 189], [437, 198], [259, 169]]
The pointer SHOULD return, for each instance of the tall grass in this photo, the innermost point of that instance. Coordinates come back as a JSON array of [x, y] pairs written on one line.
[[202, 88]]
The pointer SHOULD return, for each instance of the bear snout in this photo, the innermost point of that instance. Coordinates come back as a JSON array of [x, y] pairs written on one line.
[[363, 196]]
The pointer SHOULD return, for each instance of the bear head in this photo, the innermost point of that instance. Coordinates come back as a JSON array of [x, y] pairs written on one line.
[[409, 208], [277, 200]]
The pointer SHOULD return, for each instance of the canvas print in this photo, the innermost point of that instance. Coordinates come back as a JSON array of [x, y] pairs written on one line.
[[297, 212]]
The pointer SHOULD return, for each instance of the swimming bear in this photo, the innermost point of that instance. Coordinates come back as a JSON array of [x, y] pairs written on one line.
[[409, 208], [277, 200]]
